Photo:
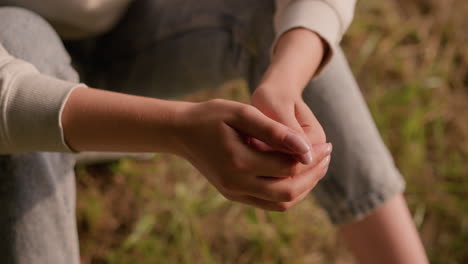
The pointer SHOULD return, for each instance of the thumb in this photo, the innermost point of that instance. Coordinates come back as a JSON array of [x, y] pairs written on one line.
[[289, 119], [280, 137]]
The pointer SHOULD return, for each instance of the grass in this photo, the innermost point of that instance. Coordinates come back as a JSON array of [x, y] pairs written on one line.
[[411, 61]]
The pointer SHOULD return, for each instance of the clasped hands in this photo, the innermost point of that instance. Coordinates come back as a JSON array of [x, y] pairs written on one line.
[[270, 154]]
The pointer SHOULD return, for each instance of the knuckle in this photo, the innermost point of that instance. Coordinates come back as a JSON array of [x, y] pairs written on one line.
[[221, 128], [288, 195], [239, 165], [225, 194], [316, 136], [278, 133], [244, 110], [229, 197], [226, 184], [217, 105], [215, 101], [283, 207], [320, 136], [314, 184], [292, 169], [213, 105], [229, 149]]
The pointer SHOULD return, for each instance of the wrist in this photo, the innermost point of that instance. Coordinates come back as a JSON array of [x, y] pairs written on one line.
[[278, 89], [298, 54], [97, 120], [180, 127]]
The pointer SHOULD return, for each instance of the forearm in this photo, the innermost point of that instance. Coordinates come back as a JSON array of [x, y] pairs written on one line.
[[297, 55], [97, 120]]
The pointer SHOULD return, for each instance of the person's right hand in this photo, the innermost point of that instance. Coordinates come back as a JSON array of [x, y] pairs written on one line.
[[211, 135]]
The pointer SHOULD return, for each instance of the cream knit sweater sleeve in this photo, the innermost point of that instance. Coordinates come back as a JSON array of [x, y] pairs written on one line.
[[328, 18], [30, 106]]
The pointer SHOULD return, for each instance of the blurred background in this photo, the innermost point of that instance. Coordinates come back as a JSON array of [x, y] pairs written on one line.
[[411, 61]]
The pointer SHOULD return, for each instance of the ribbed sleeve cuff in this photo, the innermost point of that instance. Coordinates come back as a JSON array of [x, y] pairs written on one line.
[[316, 16], [32, 112]]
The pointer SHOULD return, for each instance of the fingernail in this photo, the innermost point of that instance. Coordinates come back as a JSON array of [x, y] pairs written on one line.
[[324, 174], [326, 161], [329, 148], [296, 144], [306, 158], [309, 157]]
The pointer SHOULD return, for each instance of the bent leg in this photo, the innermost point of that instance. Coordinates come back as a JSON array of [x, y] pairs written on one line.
[[37, 190], [362, 175], [390, 233], [363, 189]]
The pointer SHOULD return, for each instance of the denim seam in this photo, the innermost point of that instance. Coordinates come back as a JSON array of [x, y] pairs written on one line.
[[360, 208]]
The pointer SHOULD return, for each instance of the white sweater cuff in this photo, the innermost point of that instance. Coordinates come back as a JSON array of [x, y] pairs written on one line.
[[31, 112], [317, 16]]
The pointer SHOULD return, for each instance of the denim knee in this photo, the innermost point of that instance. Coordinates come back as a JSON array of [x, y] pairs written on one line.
[[27, 36]]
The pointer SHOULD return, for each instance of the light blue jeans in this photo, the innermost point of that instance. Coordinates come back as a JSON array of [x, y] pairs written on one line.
[[165, 49]]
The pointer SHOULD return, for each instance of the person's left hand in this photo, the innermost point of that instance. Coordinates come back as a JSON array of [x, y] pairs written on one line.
[[296, 57], [288, 108]]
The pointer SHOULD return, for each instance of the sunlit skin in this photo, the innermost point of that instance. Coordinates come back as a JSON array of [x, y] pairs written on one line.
[[208, 134], [269, 155], [386, 236]]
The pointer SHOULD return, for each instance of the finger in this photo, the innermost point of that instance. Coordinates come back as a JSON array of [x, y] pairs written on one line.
[[274, 164], [267, 205], [260, 145], [271, 205], [282, 206], [324, 172], [319, 152], [295, 201], [288, 118], [299, 119], [304, 194], [258, 203], [248, 161], [284, 114], [286, 189], [309, 124], [252, 122]]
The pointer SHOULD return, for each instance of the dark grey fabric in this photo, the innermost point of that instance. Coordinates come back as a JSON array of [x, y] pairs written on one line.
[[362, 175]]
